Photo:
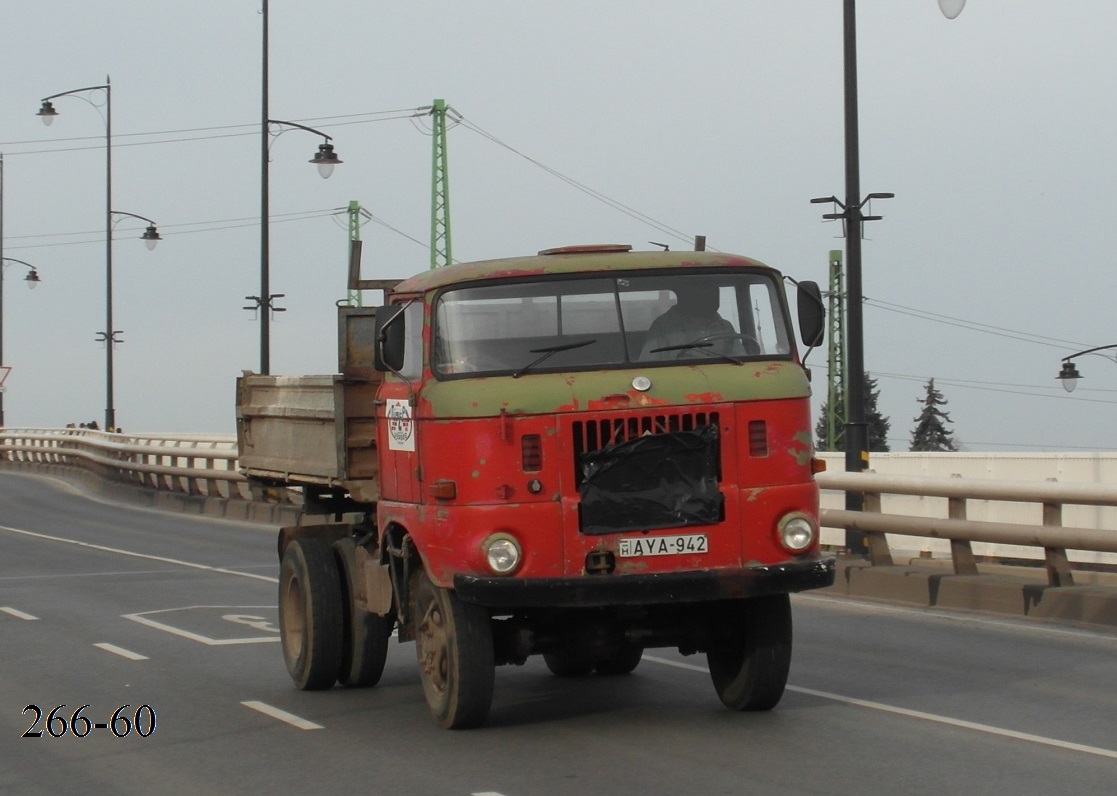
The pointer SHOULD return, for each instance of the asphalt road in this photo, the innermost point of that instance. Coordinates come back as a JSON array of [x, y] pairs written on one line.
[[111, 606]]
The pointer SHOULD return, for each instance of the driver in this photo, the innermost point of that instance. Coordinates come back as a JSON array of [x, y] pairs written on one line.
[[693, 317]]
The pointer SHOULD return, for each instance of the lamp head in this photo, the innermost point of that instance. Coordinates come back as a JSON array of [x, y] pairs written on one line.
[[32, 279], [47, 112], [951, 8], [1069, 375], [325, 159], [151, 236]]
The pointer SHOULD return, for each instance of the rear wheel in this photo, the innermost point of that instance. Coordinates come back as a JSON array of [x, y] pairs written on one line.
[[623, 661], [310, 614], [751, 654], [365, 636], [454, 644]]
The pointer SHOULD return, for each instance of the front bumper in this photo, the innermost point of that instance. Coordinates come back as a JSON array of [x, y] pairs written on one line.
[[588, 591]]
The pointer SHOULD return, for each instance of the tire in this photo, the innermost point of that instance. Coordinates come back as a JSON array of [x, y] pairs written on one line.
[[365, 636], [751, 654], [563, 664], [454, 645], [310, 614], [624, 661]]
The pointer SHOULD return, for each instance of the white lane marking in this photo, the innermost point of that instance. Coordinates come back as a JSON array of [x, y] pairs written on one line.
[[919, 714], [676, 664], [487, 793], [64, 575], [255, 622], [17, 613], [178, 631], [282, 715], [123, 653], [968, 725], [164, 559]]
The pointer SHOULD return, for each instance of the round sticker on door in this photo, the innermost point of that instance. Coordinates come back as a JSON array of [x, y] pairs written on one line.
[[401, 426]]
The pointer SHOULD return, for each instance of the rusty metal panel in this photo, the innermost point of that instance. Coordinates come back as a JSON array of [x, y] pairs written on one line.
[[309, 430], [359, 411], [287, 429], [355, 331]]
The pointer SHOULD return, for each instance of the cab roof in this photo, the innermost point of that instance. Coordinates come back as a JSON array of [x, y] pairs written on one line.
[[601, 258]]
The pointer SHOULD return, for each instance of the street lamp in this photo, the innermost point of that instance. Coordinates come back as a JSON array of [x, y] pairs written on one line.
[[856, 431], [32, 280], [1069, 374], [47, 113], [325, 159]]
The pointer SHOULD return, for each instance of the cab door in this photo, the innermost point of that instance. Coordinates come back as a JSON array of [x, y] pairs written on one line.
[[398, 432]]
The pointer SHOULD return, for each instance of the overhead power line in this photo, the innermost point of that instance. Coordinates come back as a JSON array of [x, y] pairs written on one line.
[[190, 133], [999, 331], [187, 228], [613, 203]]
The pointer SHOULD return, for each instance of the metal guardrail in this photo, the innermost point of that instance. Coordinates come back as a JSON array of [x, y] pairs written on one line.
[[199, 465], [1051, 535], [206, 465]]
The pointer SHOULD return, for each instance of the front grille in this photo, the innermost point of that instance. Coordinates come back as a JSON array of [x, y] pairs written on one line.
[[593, 435]]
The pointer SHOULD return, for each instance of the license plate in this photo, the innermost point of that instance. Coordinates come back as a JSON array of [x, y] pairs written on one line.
[[692, 544]]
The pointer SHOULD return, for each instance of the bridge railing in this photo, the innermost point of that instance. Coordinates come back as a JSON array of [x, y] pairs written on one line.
[[1050, 535], [206, 465], [200, 465]]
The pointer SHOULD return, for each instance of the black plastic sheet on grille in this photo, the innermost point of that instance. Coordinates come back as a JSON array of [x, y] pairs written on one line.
[[651, 482]]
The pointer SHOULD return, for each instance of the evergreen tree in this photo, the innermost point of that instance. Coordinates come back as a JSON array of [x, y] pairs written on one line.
[[878, 424], [930, 432]]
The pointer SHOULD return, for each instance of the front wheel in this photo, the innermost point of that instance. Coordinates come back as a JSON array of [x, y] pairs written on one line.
[[310, 614], [750, 655], [454, 644]]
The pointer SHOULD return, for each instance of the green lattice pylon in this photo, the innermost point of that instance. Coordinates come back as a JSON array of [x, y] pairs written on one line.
[[837, 396], [440, 189]]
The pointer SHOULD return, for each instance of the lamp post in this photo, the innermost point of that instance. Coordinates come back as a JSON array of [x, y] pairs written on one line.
[[1069, 375], [151, 236], [856, 430], [325, 159], [32, 280]]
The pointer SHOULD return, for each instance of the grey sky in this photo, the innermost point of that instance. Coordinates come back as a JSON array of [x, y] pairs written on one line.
[[995, 131]]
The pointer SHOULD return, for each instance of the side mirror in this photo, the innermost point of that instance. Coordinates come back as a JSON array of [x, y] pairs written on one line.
[[812, 314], [388, 340]]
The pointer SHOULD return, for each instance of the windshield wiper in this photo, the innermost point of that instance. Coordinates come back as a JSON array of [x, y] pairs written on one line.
[[701, 346], [546, 352]]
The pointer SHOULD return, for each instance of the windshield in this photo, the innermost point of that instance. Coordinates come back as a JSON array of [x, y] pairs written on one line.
[[610, 321]]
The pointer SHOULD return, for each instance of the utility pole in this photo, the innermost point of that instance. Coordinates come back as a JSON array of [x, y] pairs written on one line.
[[856, 430], [440, 189], [354, 237], [836, 389]]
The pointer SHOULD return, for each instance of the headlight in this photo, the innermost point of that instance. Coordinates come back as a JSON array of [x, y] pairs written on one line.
[[502, 553], [797, 533]]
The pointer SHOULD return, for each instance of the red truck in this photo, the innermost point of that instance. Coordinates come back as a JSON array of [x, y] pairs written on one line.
[[581, 454]]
